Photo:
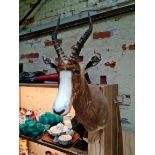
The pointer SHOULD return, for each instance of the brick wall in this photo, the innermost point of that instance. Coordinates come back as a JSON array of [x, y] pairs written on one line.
[[113, 38], [49, 10]]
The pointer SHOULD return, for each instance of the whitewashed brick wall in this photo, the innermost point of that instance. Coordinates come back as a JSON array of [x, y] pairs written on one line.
[[113, 38]]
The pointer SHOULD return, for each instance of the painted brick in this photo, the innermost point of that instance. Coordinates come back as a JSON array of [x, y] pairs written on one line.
[[59, 4], [67, 14], [68, 3], [30, 55], [103, 79], [110, 64], [50, 43], [59, 41], [28, 21], [102, 35], [79, 6], [125, 121], [124, 47], [30, 61], [117, 18], [46, 20], [131, 47], [40, 17], [50, 13], [127, 96]]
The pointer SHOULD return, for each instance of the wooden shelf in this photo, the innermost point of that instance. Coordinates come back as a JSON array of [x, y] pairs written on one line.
[[72, 150], [53, 85]]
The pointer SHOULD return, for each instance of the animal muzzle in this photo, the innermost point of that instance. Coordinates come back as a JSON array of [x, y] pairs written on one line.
[[62, 104], [59, 112]]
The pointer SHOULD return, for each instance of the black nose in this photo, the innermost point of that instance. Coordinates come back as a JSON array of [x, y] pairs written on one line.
[[59, 112]]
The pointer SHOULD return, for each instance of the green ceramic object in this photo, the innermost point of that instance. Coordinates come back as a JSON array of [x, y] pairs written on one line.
[[35, 129], [32, 128], [50, 119]]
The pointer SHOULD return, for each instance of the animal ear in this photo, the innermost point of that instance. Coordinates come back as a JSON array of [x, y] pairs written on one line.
[[50, 61], [94, 60]]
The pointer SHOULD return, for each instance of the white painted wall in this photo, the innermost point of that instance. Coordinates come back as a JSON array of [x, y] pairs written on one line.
[[122, 29]]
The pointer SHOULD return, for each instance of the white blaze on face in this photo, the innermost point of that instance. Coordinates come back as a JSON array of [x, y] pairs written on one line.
[[63, 98]]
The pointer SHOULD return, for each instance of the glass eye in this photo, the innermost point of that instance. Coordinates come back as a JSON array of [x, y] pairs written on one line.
[[76, 71]]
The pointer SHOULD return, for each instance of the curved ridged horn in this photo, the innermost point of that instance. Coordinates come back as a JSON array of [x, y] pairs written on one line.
[[57, 47], [77, 48]]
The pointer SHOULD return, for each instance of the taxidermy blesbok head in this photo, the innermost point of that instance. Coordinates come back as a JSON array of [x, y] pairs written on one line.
[[87, 100]]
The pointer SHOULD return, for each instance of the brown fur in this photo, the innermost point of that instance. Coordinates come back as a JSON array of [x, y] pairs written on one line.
[[90, 105]]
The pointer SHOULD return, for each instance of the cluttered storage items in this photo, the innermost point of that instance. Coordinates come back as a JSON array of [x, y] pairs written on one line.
[[43, 131]]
